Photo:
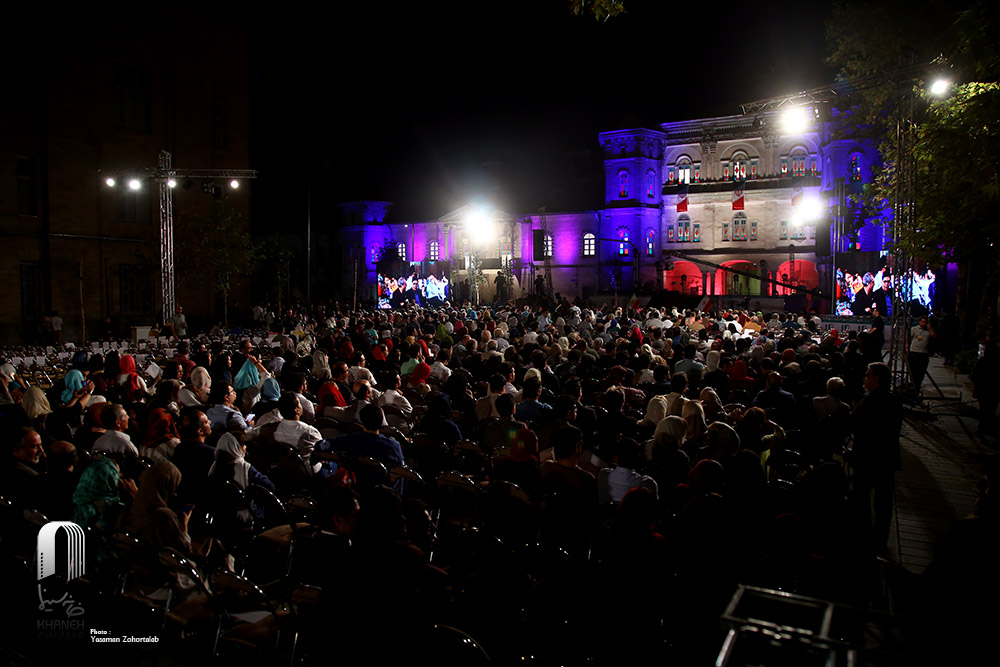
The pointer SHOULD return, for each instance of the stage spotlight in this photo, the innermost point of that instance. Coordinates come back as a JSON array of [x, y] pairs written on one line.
[[134, 184], [479, 225], [795, 120], [234, 184], [171, 183], [940, 87], [110, 182]]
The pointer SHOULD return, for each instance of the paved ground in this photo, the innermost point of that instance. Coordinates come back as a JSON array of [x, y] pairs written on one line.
[[941, 463]]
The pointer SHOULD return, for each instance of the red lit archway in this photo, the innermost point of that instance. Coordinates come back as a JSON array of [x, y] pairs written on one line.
[[727, 283], [684, 277], [797, 272]]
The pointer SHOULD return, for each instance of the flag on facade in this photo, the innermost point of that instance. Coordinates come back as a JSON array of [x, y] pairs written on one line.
[[682, 198], [738, 195]]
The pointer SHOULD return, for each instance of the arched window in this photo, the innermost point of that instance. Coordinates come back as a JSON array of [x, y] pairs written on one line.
[[740, 227], [401, 251], [623, 245], [374, 253], [684, 170], [434, 251], [623, 183], [650, 243], [683, 228], [505, 249], [740, 167], [548, 245], [855, 170], [589, 245], [650, 184], [798, 159]]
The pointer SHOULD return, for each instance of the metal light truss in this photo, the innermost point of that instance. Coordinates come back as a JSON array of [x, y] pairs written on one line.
[[904, 219], [163, 172], [901, 250]]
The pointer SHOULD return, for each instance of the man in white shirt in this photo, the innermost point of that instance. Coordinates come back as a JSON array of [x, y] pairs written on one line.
[[920, 348], [392, 396], [439, 369], [115, 419], [292, 431]]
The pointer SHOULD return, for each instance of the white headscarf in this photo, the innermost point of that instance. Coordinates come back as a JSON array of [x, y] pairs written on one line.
[[229, 450]]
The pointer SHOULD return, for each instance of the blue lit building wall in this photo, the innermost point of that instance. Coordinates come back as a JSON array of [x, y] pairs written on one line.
[[643, 170]]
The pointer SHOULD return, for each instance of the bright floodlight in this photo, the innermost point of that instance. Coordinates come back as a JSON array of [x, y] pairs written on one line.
[[134, 184], [795, 120], [234, 184], [810, 210], [940, 87], [110, 182], [171, 183], [479, 225]]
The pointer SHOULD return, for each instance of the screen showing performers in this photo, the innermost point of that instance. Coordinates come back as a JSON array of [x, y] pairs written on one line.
[[861, 291], [427, 291]]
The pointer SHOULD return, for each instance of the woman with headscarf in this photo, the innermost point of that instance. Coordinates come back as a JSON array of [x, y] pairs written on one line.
[[270, 392], [713, 376], [161, 437], [697, 428], [150, 517], [74, 399], [418, 378], [712, 405], [231, 466], [97, 498], [37, 407], [133, 387], [196, 393], [330, 396], [442, 335]]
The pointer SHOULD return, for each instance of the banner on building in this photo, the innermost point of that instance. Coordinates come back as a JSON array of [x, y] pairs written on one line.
[[738, 195], [682, 199]]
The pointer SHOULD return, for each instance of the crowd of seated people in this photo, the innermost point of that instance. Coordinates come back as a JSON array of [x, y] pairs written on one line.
[[467, 464]]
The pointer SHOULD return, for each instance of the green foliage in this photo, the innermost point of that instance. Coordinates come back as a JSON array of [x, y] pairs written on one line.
[[602, 10], [219, 250], [954, 138]]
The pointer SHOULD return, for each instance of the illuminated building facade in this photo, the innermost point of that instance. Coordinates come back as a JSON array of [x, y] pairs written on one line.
[[682, 204]]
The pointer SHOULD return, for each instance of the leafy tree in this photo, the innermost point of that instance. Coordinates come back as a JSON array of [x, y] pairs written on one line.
[[602, 10], [276, 265], [955, 137], [220, 250]]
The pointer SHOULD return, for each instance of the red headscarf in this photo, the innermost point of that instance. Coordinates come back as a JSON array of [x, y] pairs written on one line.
[[423, 346], [160, 427], [126, 365], [420, 374], [739, 370], [329, 394], [377, 353]]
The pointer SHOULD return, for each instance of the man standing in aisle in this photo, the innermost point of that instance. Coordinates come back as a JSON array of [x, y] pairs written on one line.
[[920, 348], [178, 324]]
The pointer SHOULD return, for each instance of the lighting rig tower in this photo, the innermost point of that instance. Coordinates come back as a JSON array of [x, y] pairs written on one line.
[[165, 174], [904, 218]]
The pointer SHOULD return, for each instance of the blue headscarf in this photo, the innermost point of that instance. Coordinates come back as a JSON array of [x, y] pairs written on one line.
[[74, 383], [247, 377], [270, 390]]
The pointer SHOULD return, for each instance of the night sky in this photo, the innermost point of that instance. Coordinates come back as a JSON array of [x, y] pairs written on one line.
[[444, 103]]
